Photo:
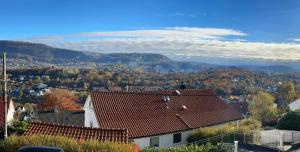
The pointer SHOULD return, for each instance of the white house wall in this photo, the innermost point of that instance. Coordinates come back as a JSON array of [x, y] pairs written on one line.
[[142, 142], [90, 119], [10, 112], [164, 140]]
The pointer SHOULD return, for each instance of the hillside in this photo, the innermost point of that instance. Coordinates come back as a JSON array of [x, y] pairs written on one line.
[[42, 53], [25, 53]]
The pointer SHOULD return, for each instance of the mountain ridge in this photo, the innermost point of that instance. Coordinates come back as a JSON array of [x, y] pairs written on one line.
[[47, 54]]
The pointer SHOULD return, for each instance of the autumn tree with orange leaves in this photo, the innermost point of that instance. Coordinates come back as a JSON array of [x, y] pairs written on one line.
[[60, 99]]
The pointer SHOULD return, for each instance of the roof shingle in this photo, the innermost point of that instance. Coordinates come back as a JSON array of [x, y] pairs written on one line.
[[79, 133]]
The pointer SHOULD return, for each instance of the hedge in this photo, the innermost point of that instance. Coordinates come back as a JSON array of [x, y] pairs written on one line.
[[290, 121], [13, 142], [194, 148]]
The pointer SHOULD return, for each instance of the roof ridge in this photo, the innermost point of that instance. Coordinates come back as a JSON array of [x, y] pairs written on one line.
[[167, 90], [155, 92], [181, 118]]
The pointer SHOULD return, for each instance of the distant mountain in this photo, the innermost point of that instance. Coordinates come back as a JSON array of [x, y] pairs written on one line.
[[269, 69], [262, 65], [47, 54], [41, 52]]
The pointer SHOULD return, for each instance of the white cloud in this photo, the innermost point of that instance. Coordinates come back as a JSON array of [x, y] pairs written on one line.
[[296, 39], [170, 32], [178, 42]]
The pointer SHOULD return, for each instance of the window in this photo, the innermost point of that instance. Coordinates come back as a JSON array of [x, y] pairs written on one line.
[[91, 124], [177, 138], [154, 141]]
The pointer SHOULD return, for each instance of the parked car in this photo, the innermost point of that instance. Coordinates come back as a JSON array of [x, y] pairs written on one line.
[[39, 149]]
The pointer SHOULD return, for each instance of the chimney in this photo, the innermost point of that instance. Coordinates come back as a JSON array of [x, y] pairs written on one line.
[[182, 85]]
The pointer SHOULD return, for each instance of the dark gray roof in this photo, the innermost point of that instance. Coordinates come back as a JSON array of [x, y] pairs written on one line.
[[66, 117]]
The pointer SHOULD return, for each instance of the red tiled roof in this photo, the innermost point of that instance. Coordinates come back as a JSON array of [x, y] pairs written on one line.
[[146, 114], [80, 133]]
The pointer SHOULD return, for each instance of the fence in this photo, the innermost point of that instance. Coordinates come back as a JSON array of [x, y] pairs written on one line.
[[243, 137], [277, 138]]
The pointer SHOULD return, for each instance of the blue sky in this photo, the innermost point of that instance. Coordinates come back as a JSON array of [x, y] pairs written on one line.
[[74, 24]]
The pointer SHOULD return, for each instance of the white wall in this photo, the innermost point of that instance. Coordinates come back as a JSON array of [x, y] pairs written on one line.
[[10, 112], [89, 114], [165, 140], [142, 142], [273, 136]]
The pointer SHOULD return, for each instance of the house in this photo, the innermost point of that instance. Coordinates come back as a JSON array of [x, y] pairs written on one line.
[[78, 133], [66, 117], [20, 109], [158, 118], [10, 110], [295, 105]]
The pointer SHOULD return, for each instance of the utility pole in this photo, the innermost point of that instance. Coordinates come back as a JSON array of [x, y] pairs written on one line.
[[5, 94]]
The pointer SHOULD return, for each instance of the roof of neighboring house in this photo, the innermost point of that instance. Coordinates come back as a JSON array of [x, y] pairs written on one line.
[[241, 107], [147, 114], [66, 117], [2, 105], [75, 132], [295, 105]]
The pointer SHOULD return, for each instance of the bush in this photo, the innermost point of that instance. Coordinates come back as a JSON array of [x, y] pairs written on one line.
[[290, 121], [195, 148], [16, 127], [204, 133], [12, 143]]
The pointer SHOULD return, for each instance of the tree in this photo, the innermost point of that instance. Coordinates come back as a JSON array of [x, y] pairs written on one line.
[[37, 79], [59, 98], [290, 121], [261, 108], [20, 93], [287, 93], [16, 127]]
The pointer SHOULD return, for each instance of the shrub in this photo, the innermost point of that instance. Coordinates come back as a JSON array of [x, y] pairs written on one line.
[[16, 127], [290, 121], [12, 143], [195, 148]]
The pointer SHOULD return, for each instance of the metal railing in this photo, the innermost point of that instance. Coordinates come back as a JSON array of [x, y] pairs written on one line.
[[227, 140]]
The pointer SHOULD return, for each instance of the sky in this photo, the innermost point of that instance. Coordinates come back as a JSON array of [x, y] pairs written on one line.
[[180, 29]]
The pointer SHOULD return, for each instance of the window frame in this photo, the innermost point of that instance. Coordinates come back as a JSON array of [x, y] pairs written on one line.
[[153, 139], [179, 136]]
